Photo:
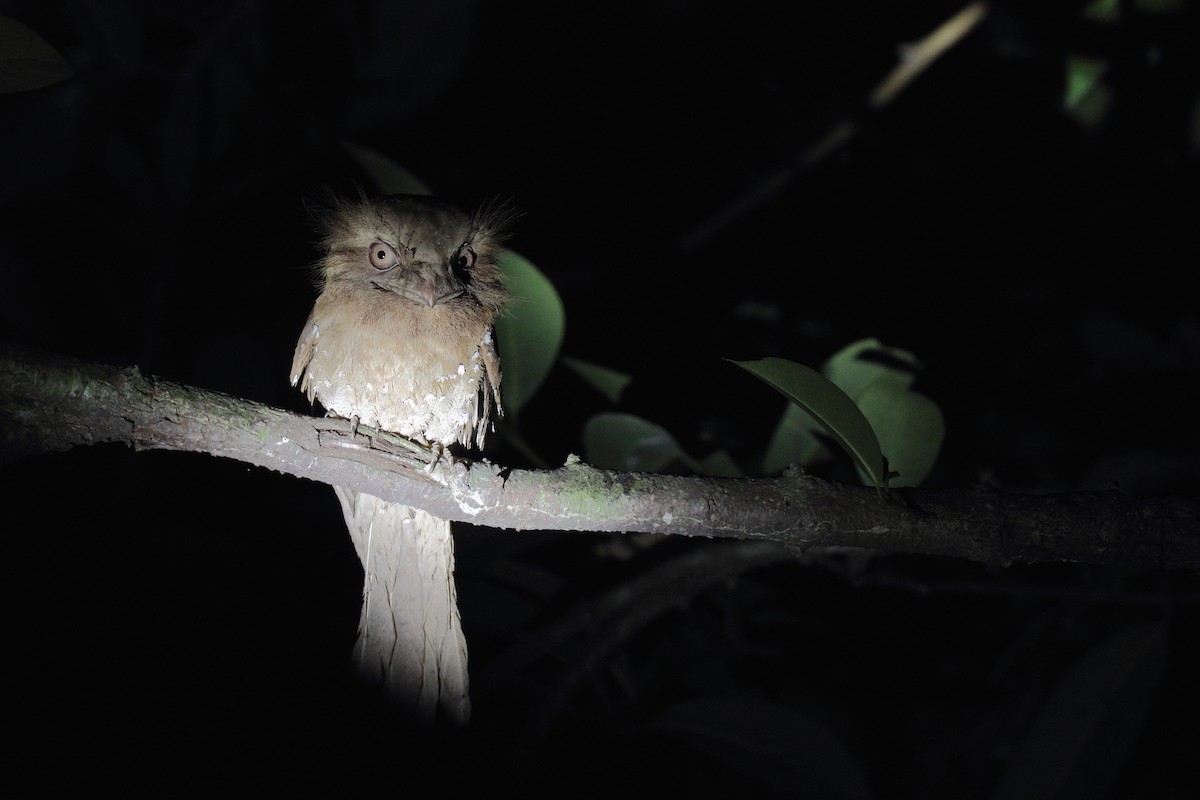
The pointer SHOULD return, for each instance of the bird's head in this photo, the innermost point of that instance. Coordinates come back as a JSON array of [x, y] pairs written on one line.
[[414, 249]]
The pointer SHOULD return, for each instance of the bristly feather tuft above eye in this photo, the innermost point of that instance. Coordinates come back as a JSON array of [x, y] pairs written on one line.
[[494, 219], [335, 217]]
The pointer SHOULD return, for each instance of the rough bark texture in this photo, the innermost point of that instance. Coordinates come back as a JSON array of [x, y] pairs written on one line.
[[50, 403]]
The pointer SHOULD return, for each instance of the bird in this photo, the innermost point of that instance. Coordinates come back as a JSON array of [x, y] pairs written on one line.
[[402, 338]]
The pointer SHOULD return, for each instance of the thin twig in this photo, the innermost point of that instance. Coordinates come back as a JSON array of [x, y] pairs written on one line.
[[914, 59]]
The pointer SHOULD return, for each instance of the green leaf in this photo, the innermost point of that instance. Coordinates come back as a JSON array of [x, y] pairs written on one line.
[[853, 373], [627, 442], [529, 332], [615, 440], [1083, 75], [27, 61], [388, 176], [794, 442], [878, 378], [608, 382], [829, 406], [719, 464], [910, 428], [1086, 98]]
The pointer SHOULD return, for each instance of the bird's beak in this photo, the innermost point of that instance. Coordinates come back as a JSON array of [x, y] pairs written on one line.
[[424, 284]]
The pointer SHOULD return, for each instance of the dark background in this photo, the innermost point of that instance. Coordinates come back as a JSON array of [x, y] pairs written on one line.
[[176, 623]]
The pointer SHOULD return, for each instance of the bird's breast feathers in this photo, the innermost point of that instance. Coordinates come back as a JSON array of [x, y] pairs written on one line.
[[425, 387]]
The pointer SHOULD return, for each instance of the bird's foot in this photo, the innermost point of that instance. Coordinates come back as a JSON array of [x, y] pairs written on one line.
[[439, 452]]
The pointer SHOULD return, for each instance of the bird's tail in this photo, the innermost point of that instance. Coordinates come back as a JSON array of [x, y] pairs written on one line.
[[410, 638]]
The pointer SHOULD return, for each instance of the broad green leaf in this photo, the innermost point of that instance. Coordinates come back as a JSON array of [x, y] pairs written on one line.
[[1086, 98], [852, 373], [389, 177], [719, 464], [910, 430], [794, 442], [27, 61], [1083, 75], [627, 442], [608, 382], [908, 426], [529, 331], [829, 406], [615, 440]]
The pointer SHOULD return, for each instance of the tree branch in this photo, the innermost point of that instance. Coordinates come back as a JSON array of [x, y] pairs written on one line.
[[52, 403]]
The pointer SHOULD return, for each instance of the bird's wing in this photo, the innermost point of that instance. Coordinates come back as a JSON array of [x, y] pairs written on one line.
[[304, 354]]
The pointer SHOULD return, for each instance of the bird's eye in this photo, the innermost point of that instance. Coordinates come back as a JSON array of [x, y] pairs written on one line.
[[462, 260], [382, 256]]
